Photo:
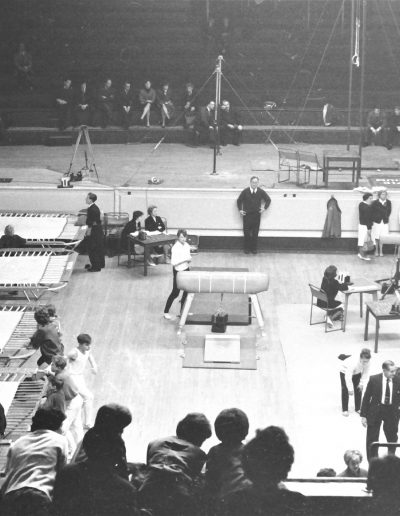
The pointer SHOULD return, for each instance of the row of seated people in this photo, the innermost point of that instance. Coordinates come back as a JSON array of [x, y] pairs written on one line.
[[179, 478], [81, 107]]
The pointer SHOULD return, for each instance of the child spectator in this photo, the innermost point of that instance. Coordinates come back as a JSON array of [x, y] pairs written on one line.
[[55, 321], [224, 471], [45, 338], [77, 360]]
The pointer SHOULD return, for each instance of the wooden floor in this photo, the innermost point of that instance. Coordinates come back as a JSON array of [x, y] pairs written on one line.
[[139, 353]]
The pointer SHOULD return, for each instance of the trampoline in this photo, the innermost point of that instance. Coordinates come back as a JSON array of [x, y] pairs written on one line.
[[35, 271], [45, 229]]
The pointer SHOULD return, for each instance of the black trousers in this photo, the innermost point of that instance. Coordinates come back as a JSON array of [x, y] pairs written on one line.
[[345, 392], [228, 135], [126, 118], [64, 116], [106, 114], [26, 500], [251, 227], [390, 421], [174, 293], [96, 248], [392, 136]]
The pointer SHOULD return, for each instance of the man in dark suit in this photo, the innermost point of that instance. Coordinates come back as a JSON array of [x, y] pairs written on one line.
[[204, 124], [64, 102], [230, 127], [96, 235], [252, 202], [125, 100], [381, 403], [393, 127], [83, 106], [106, 103]]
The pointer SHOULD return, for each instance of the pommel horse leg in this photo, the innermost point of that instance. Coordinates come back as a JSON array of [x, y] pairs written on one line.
[[185, 312], [258, 312]]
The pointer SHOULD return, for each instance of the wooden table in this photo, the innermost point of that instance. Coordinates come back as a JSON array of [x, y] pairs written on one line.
[[360, 286], [353, 160], [151, 241], [381, 311]]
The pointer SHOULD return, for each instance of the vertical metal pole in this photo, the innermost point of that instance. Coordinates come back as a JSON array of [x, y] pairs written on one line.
[[218, 73], [362, 65], [207, 11], [352, 21]]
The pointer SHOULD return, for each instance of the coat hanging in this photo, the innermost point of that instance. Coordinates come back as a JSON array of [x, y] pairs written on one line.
[[333, 221]]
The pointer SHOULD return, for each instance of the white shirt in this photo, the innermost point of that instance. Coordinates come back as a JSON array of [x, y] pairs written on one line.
[[77, 361], [180, 253], [384, 379], [352, 366], [253, 190]]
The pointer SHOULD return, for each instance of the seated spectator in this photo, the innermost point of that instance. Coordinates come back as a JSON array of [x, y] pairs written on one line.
[[329, 115], [393, 128], [147, 97], [154, 223], [3, 422], [93, 487], [326, 472], [83, 107], [64, 103], [111, 419], [375, 123], [229, 127], [353, 459], [175, 464], [189, 105], [384, 482], [204, 125], [23, 68], [224, 471], [165, 104], [267, 460], [32, 464], [10, 239], [105, 103], [331, 287], [45, 338], [134, 225], [125, 102]]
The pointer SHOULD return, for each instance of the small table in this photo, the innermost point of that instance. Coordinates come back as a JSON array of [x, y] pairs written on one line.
[[354, 160], [381, 311], [360, 286], [147, 244]]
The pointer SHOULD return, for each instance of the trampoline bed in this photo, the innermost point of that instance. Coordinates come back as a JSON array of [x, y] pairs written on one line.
[[34, 271], [45, 229]]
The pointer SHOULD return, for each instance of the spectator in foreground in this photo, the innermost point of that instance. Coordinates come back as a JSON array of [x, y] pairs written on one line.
[[32, 464], [326, 472], [384, 482], [174, 465], [267, 460], [10, 239], [353, 459], [224, 470], [23, 68], [93, 487]]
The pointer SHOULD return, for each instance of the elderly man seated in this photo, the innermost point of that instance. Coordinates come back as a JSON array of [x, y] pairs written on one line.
[[230, 125], [10, 239]]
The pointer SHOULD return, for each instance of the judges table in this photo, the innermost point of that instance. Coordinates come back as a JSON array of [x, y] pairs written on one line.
[[360, 286], [381, 311], [333, 161], [151, 241]]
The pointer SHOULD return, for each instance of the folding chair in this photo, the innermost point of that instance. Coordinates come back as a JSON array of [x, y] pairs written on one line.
[[317, 293]]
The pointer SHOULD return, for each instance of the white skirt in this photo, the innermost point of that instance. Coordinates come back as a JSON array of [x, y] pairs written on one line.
[[362, 235], [379, 229]]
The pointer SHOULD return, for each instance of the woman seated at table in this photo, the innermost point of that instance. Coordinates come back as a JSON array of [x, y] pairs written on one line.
[[331, 287], [134, 226], [153, 224], [10, 239]]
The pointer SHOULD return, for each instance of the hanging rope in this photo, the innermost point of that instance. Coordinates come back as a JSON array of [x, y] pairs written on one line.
[[320, 63], [356, 43]]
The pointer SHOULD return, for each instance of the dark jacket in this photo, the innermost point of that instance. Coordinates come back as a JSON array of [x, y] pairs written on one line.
[[154, 225], [66, 94], [204, 118], [93, 216], [47, 339], [372, 399], [12, 241], [381, 212], [331, 288], [125, 98], [251, 203], [229, 117], [3, 420], [365, 214]]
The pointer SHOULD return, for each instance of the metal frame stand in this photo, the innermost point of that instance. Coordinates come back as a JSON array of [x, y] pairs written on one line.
[[90, 165]]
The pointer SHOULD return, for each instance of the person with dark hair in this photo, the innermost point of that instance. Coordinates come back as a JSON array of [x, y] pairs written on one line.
[[384, 482], [375, 123], [78, 359], [381, 209], [331, 287], [326, 472], [393, 128], [125, 102], [147, 97], [353, 459], [95, 236], [251, 203], [365, 224], [224, 470], [64, 103], [354, 376], [45, 338], [165, 104], [267, 460], [32, 464], [381, 404], [3, 422], [83, 110], [180, 261], [105, 103], [203, 129], [155, 223], [23, 68], [93, 487], [174, 465], [230, 127], [133, 226], [111, 419], [10, 240], [189, 105]]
